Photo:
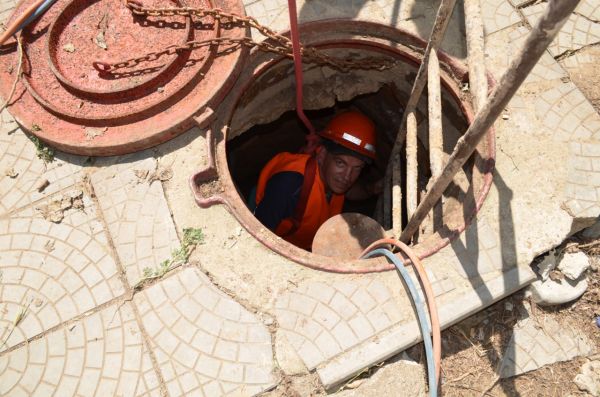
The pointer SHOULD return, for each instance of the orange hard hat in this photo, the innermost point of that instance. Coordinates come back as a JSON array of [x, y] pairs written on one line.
[[354, 131]]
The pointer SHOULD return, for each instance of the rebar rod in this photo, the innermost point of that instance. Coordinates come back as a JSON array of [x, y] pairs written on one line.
[[478, 84], [434, 104], [437, 34], [412, 171], [555, 15]]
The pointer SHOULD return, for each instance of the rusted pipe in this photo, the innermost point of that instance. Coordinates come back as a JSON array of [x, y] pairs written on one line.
[[555, 15], [434, 103], [412, 171], [475, 53], [435, 39]]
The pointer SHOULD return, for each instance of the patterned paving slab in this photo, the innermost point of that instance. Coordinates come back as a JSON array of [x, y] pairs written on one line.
[[414, 16], [137, 214], [54, 271], [6, 8], [479, 253], [344, 325], [497, 15], [500, 48], [582, 28], [322, 320], [562, 111], [404, 334], [534, 345], [206, 344], [18, 153], [566, 111], [99, 355], [583, 185]]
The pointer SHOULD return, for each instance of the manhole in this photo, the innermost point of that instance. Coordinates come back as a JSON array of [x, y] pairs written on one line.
[[256, 121], [65, 101]]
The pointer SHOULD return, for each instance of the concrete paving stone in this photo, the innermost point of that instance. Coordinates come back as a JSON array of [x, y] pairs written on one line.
[[6, 9], [134, 210], [478, 262], [501, 46], [565, 111], [581, 29], [100, 355], [589, 8], [339, 322], [414, 16], [236, 354], [56, 273], [534, 345], [18, 153], [497, 15], [404, 334]]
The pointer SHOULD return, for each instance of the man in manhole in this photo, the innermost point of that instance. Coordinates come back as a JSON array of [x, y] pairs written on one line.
[[297, 193]]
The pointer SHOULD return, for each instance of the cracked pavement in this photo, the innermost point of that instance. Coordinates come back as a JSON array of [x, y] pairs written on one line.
[[238, 317]]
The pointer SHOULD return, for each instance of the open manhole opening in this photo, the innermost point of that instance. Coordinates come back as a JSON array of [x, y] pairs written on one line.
[[258, 120]]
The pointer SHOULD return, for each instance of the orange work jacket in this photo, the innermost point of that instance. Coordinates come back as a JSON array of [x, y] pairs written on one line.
[[317, 210]]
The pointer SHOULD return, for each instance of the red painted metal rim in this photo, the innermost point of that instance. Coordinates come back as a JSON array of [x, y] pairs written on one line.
[[60, 24], [259, 64], [119, 122]]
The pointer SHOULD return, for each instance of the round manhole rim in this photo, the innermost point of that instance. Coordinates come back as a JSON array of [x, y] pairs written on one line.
[[258, 64]]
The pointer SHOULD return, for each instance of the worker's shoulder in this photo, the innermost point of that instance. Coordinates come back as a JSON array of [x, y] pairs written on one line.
[[285, 182]]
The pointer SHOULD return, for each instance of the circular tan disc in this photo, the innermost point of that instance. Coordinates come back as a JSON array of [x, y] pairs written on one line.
[[345, 236]]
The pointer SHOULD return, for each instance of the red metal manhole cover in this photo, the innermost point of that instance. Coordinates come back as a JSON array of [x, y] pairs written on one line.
[[66, 102]]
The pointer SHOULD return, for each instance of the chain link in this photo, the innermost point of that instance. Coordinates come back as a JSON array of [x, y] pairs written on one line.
[[277, 44]]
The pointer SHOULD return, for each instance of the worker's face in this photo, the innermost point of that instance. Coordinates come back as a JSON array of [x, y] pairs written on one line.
[[339, 171]]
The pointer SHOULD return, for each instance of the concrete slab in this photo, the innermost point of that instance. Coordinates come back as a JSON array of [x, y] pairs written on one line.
[[538, 343], [497, 15], [205, 343], [183, 335], [406, 334], [581, 67], [411, 383], [581, 29], [136, 213], [102, 354], [19, 155], [323, 320], [415, 16], [53, 271]]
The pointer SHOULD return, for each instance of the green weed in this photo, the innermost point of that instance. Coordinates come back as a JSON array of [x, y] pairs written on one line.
[[44, 152], [191, 238]]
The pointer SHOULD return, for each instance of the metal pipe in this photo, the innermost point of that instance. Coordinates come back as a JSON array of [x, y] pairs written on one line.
[[386, 197], [437, 34], [412, 171], [434, 103], [475, 53], [397, 197], [555, 15]]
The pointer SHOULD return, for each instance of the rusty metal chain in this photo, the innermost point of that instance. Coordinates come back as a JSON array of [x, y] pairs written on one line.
[[278, 43]]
